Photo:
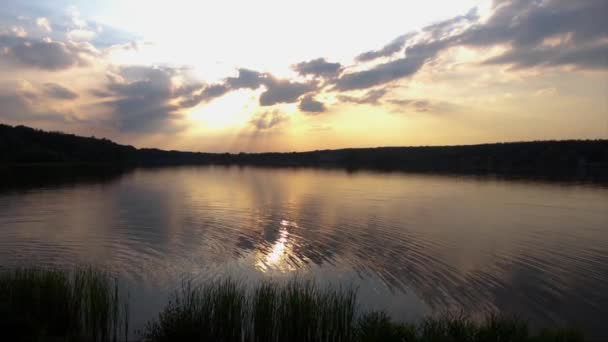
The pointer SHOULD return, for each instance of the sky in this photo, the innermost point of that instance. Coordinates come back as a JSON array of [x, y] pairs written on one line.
[[277, 75]]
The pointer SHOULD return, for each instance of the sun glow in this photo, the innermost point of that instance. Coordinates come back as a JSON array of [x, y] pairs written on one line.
[[229, 111], [278, 255]]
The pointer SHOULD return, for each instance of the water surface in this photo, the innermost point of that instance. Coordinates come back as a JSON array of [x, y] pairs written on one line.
[[413, 244]]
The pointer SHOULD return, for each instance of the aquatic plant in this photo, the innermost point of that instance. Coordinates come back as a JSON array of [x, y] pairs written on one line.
[[302, 311], [86, 305], [43, 304]]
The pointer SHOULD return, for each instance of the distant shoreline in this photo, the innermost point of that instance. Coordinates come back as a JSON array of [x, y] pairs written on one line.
[[577, 159]]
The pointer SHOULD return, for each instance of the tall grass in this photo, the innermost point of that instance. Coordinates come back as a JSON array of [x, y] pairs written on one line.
[[47, 304], [229, 311], [85, 305], [301, 311]]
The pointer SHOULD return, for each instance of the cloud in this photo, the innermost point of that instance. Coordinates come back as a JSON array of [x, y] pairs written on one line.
[[267, 120], [309, 105], [446, 28], [526, 26], [277, 90], [593, 57], [45, 54], [19, 31], [14, 107], [100, 93], [415, 57], [247, 79], [44, 23], [422, 106], [208, 93], [528, 23], [81, 35], [143, 100], [318, 67], [372, 97], [284, 91], [388, 50], [57, 91], [18, 108]]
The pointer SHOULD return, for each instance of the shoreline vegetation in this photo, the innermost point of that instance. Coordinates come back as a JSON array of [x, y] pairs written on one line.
[[86, 305], [575, 159]]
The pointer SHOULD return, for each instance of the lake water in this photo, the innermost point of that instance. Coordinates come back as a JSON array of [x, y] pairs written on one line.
[[413, 244]]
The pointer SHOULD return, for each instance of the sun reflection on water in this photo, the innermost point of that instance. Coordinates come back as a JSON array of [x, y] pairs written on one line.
[[276, 257]]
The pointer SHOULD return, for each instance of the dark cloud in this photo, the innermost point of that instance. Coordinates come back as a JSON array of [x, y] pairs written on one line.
[[309, 105], [415, 57], [528, 23], [247, 79], [318, 67], [267, 120], [284, 91], [188, 88], [277, 90], [57, 91], [45, 54], [524, 25], [579, 26], [143, 100], [371, 97], [388, 50], [214, 91], [207, 94], [590, 57]]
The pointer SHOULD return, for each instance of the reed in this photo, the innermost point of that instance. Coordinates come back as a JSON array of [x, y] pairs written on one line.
[[48, 304], [301, 311], [86, 305]]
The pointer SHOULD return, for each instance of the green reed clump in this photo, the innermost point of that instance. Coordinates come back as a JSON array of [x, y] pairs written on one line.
[[301, 311], [48, 304]]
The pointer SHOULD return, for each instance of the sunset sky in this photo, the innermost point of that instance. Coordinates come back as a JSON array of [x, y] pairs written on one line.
[[274, 75]]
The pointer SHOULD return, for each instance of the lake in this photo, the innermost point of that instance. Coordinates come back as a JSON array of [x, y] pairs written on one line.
[[413, 244]]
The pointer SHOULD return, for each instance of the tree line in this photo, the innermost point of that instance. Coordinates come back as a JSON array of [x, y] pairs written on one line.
[[25, 145]]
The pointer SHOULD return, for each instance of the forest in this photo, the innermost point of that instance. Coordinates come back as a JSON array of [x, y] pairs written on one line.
[[576, 158]]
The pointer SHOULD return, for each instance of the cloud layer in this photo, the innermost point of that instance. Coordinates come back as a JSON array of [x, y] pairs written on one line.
[[521, 34]]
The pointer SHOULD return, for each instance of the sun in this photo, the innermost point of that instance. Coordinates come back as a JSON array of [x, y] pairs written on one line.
[[229, 111]]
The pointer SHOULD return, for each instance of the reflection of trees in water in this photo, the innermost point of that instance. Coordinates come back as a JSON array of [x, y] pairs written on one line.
[[44, 176]]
